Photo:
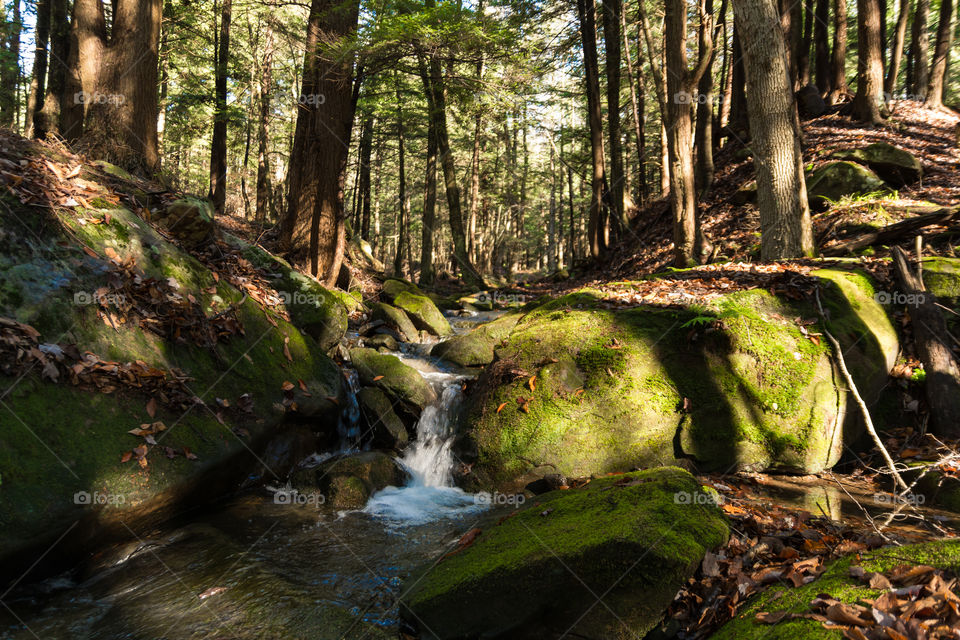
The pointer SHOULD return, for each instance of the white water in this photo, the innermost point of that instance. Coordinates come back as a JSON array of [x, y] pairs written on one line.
[[430, 493]]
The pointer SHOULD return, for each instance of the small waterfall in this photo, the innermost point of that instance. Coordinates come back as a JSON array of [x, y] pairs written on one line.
[[348, 426], [430, 459]]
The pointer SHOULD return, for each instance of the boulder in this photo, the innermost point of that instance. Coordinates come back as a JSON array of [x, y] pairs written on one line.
[[895, 166], [348, 482], [580, 389], [475, 349], [397, 319], [387, 427], [746, 194], [833, 181], [423, 312], [393, 287], [382, 341], [634, 538], [839, 584], [399, 381], [810, 102], [189, 220]]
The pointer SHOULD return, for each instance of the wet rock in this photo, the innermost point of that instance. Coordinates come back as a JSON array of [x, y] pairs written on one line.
[[895, 166], [833, 181], [286, 450], [424, 313], [628, 537], [382, 341], [399, 381], [388, 429], [475, 349], [348, 482], [397, 319]]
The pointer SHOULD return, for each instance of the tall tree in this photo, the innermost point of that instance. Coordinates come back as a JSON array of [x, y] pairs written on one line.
[[869, 98], [10, 67], [689, 244], [56, 70], [612, 10], [704, 126], [111, 94], [781, 190], [364, 154], [318, 159], [821, 38], [264, 195], [920, 50], [427, 275], [218, 145], [586, 10], [896, 52], [403, 219], [838, 82], [941, 51], [38, 79], [803, 59]]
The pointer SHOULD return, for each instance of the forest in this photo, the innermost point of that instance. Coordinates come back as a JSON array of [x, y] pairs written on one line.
[[521, 319]]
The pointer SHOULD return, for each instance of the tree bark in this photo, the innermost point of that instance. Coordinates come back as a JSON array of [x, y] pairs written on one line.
[[838, 83], [264, 198], [364, 153], [110, 108], [869, 98], [920, 50], [218, 145], [10, 68], [56, 70], [318, 158], [636, 109], [704, 126], [938, 67], [822, 42], [429, 188], [896, 53], [803, 61], [781, 190], [612, 11], [38, 80], [586, 10], [739, 118], [403, 221]]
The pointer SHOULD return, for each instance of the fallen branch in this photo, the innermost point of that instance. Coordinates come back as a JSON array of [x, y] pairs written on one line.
[[895, 232]]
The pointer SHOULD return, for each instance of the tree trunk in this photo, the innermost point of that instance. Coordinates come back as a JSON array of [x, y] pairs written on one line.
[[636, 109], [38, 80], [110, 108], [586, 10], [938, 67], [10, 69], [429, 188], [689, 245], [263, 128], [364, 153], [739, 118], [822, 42], [920, 50], [704, 126], [869, 98], [838, 83], [475, 166], [552, 219], [896, 53], [56, 70], [781, 190], [218, 145], [318, 158], [403, 221], [803, 61], [612, 11]]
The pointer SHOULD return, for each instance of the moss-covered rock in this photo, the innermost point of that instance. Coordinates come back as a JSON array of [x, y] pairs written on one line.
[[633, 538], [942, 278], [835, 180], [382, 341], [189, 220], [58, 440], [382, 420], [423, 312], [396, 319], [348, 481], [837, 582], [895, 166], [394, 287], [475, 349], [399, 381], [734, 385]]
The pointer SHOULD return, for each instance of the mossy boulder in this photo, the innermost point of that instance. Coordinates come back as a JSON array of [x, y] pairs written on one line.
[[320, 312], [475, 349], [396, 319], [59, 439], [382, 341], [942, 278], [892, 164], [423, 312], [580, 389], [189, 220], [635, 538], [348, 481], [836, 180], [401, 382], [387, 427], [394, 287], [839, 584], [481, 301]]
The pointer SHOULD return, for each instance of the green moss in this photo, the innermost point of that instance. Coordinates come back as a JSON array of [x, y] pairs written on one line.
[[423, 312], [400, 381]]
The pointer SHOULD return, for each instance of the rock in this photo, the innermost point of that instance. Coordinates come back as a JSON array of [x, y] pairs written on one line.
[[189, 220], [382, 341], [475, 349], [942, 277], [361, 254], [348, 482], [833, 181], [393, 287], [895, 166], [399, 381], [837, 581], [634, 538], [481, 301], [387, 427], [286, 450], [810, 102], [622, 389], [560, 275], [396, 318], [423, 312], [746, 194]]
